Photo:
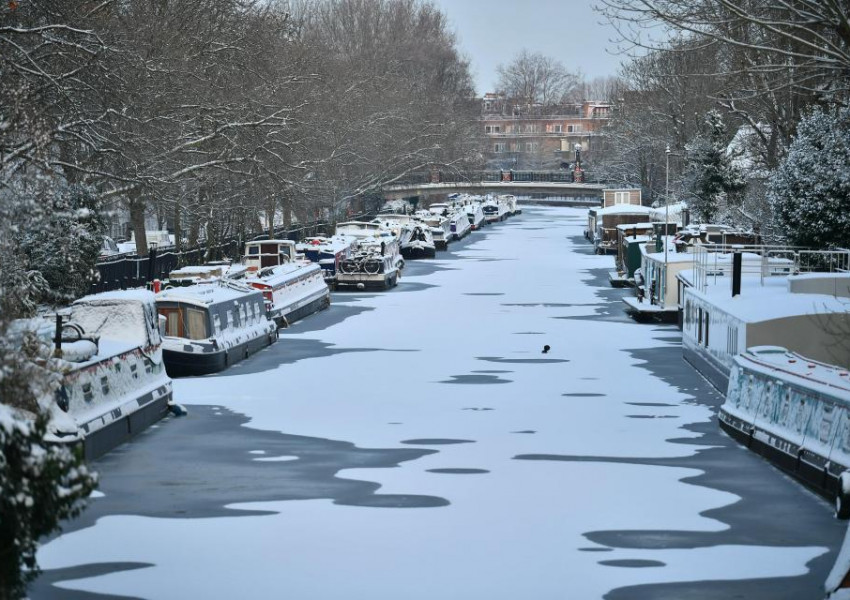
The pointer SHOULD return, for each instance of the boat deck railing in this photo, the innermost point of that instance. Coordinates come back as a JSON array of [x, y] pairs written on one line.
[[762, 261]]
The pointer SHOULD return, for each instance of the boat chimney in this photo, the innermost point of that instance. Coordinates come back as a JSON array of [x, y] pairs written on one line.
[[736, 274], [57, 340]]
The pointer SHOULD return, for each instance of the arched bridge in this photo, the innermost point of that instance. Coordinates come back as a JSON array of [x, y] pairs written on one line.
[[569, 192]]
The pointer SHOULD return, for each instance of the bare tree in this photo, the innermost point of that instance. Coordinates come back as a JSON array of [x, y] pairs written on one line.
[[532, 78]]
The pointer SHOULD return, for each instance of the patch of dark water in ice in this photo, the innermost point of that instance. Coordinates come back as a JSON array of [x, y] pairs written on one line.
[[459, 471], [528, 333], [632, 563], [199, 465], [650, 404], [584, 395], [525, 431], [485, 408], [43, 587], [291, 350], [436, 442], [542, 361], [476, 379], [595, 549], [652, 417]]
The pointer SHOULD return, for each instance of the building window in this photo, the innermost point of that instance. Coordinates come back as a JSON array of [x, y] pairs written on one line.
[[497, 148], [573, 128], [492, 129], [557, 128], [530, 146], [621, 197]]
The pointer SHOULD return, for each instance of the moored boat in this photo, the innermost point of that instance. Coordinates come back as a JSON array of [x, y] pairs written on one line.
[[416, 241], [459, 224], [327, 252], [292, 291], [475, 215], [209, 327], [114, 382], [795, 412]]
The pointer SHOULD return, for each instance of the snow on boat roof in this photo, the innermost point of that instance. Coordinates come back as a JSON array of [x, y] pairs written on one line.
[[779, 363], [641, 239], [140, 296], [283, 273], [275, 241], [624, 209], [772, 300], [628, 226], [197, 270], [205, 294]]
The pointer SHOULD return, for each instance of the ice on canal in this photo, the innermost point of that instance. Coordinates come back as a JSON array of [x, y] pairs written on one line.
[[452, 361]]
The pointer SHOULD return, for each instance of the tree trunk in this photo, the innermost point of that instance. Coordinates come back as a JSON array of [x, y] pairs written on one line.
[[137, 221], [270, 209]]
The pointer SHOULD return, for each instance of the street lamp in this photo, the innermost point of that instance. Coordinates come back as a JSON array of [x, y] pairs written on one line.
[[666, 202]]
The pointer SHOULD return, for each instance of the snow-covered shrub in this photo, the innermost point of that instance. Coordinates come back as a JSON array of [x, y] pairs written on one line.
[[810, 190], [716, 182], [64, 243], [40, 483]]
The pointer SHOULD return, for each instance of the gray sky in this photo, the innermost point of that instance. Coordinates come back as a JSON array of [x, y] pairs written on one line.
[[492, 32]]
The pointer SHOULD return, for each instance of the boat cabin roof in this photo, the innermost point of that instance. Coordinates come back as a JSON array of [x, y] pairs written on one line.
[[790, 367], [205, 295]]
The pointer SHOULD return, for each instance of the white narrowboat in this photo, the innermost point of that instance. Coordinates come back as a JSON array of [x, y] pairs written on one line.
[[209, 327], [114, 382], [292, 291], [459, 224], [795, 412], [475, 215]]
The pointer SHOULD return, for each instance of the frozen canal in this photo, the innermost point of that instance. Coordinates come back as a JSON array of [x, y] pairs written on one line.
[[417, 444]]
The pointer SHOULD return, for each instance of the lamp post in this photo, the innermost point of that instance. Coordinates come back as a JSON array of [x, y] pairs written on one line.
[[666, 202]]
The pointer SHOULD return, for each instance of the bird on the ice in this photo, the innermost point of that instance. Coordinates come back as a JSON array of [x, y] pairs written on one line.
[[546, 349]]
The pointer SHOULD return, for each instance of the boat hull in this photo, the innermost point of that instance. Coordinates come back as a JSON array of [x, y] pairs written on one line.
[[152, 407], [414, 252], [181, 364], [810, 469]]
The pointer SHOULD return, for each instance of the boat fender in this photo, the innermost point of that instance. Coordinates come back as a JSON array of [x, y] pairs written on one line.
[[842, 496], [178, 410]]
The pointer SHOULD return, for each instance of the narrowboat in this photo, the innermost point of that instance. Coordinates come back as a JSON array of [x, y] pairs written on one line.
[[475, 215], [327, 252], [114, 382], [209, 327], [605, 222], [260, 254], [795, 412], [292, 291], [629, 240], [459, 224], [416, 241], [375, 263], [439, 226], [494, 210]]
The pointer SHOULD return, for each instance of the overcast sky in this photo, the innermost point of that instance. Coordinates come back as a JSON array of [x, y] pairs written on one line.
[[492, 32]]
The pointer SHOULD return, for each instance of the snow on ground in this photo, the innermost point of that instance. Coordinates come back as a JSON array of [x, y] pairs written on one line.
[[457, 360]]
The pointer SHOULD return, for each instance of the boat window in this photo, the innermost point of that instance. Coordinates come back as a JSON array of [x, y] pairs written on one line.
[[253, 250], [706, 329], [825, 421], [699, 325], [257, 309], [217, 324], [196, 324], [173, 326], [784, 409], [230, 319], [242, 314]]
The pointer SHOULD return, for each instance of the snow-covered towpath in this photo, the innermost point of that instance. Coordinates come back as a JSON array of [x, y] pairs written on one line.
[[418, 444]]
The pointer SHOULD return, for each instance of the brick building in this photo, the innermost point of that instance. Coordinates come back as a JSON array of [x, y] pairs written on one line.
[[540, 137]]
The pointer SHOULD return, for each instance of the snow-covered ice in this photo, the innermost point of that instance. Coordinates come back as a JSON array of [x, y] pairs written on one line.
[[514, 529]]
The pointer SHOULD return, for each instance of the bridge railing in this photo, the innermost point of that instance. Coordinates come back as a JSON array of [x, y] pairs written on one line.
[[507, 175]]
